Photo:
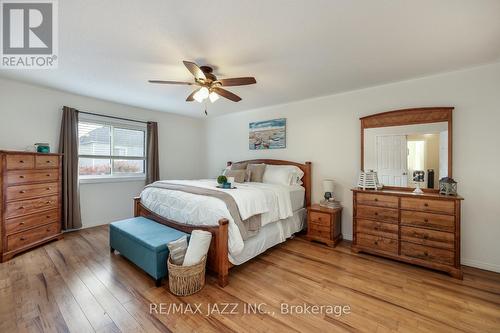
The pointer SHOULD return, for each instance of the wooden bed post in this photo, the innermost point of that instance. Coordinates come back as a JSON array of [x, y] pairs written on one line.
[[137, 201], [222, 253]]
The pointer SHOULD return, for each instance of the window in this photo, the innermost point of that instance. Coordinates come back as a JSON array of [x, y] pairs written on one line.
[[110, 149]]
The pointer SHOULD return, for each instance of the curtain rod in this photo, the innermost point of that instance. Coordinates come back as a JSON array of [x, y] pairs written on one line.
[[113, 117]]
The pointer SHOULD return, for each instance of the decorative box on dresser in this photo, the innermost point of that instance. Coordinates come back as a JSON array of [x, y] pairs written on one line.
[[418, 229], [30, 197], [323, 224]]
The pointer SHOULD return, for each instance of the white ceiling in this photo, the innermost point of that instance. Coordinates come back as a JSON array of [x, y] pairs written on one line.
[[296, 49]]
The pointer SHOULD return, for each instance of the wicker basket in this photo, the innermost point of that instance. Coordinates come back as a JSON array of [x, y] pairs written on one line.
[[186, 280]]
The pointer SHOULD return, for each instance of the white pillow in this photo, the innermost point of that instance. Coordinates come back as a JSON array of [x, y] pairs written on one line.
[[283, 174]]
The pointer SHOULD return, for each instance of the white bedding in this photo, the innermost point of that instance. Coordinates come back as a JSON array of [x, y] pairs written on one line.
[[297, 196], [270, 235], [271, 200]]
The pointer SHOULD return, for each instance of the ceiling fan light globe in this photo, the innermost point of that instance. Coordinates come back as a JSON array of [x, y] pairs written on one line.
[[213, 96], [204, 92], [198, 97]]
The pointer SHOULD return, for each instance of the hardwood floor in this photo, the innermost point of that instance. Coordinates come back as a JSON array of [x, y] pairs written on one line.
[[76, 285]]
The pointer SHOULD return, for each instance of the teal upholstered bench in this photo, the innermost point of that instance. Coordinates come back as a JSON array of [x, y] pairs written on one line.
[[144, 242]]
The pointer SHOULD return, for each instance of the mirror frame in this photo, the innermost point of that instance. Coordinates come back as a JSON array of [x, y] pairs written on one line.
[[411, 116]]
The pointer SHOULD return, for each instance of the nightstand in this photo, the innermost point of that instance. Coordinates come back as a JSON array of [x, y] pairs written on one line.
[[324, 224]]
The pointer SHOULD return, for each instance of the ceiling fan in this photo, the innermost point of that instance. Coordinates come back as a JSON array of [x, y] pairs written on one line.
[[209, 86]]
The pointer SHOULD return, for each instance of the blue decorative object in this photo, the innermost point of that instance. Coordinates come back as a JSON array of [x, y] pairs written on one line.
[[42, 148], [144, 242]]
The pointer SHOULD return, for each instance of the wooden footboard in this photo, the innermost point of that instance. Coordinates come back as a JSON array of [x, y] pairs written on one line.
[[217, 259]]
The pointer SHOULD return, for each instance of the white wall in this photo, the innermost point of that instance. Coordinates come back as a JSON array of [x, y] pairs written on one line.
[[30, 114], [326, 131]]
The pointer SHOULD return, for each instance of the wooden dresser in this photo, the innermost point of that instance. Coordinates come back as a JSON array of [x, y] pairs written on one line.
[[30, 198], [417, 229]]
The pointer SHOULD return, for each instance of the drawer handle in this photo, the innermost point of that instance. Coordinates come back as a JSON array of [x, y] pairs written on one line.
[[376, 228], [426, 220], [21, 223], [376, 199], [47, 161], [48, 175], [426, 204], [22, 238], [21, 207], [426, 236], [426, 254], [48, 189], [375, 242], [22, 191], [48, 229], [21, 161], [49, 202], [21, 176], [376, 213]]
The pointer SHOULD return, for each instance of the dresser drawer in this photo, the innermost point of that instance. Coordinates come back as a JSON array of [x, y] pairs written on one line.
[[440, 239], [428, 220], [377, 213], [31, 191], [379, 200], [28, 176], [20, 161], [26, 222], [42, 162], [19, 208], [439, 206], [319, 230], [389, 230], [377, 243], [320, 218], [427, 253], [31, 236]]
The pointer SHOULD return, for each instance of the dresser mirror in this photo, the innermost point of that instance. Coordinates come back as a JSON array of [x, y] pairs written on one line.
[[408, 148]]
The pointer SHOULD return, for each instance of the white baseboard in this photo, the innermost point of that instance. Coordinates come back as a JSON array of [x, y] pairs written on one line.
[[481, 265]]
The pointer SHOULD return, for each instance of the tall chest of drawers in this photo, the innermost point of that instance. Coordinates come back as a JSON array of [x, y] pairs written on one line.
[[30, 200], [418, 229]]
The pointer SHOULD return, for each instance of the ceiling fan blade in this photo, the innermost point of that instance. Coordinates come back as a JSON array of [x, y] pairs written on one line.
[[237, 81], [170, 82], [227, 94], [190, 98], [194, 69]]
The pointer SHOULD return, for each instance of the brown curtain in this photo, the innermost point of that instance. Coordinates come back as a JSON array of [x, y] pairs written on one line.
[[153, 160], [68, 146]]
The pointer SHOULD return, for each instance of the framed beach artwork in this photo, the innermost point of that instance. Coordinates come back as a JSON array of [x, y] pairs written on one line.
[[268, 134]]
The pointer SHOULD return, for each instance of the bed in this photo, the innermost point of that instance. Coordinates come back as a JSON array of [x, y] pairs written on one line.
[[227, 248]]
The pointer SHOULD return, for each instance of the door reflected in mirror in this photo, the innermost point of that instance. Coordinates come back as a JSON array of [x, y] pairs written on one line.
[[408, 155]]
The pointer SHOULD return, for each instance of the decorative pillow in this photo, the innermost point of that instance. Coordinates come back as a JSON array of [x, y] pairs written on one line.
[[277, 175], [248, 175], [239, 175], [283, 174], [239, 166], [178, 250], [256, 172]]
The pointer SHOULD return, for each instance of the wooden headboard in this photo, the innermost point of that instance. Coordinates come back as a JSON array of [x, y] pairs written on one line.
[[306, 168]]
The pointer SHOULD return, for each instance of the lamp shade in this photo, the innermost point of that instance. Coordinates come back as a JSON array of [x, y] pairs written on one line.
[[328, 185]]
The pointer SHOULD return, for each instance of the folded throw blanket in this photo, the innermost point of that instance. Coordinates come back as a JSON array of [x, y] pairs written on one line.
[[178, 250], [199, 243], [248, 228]]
